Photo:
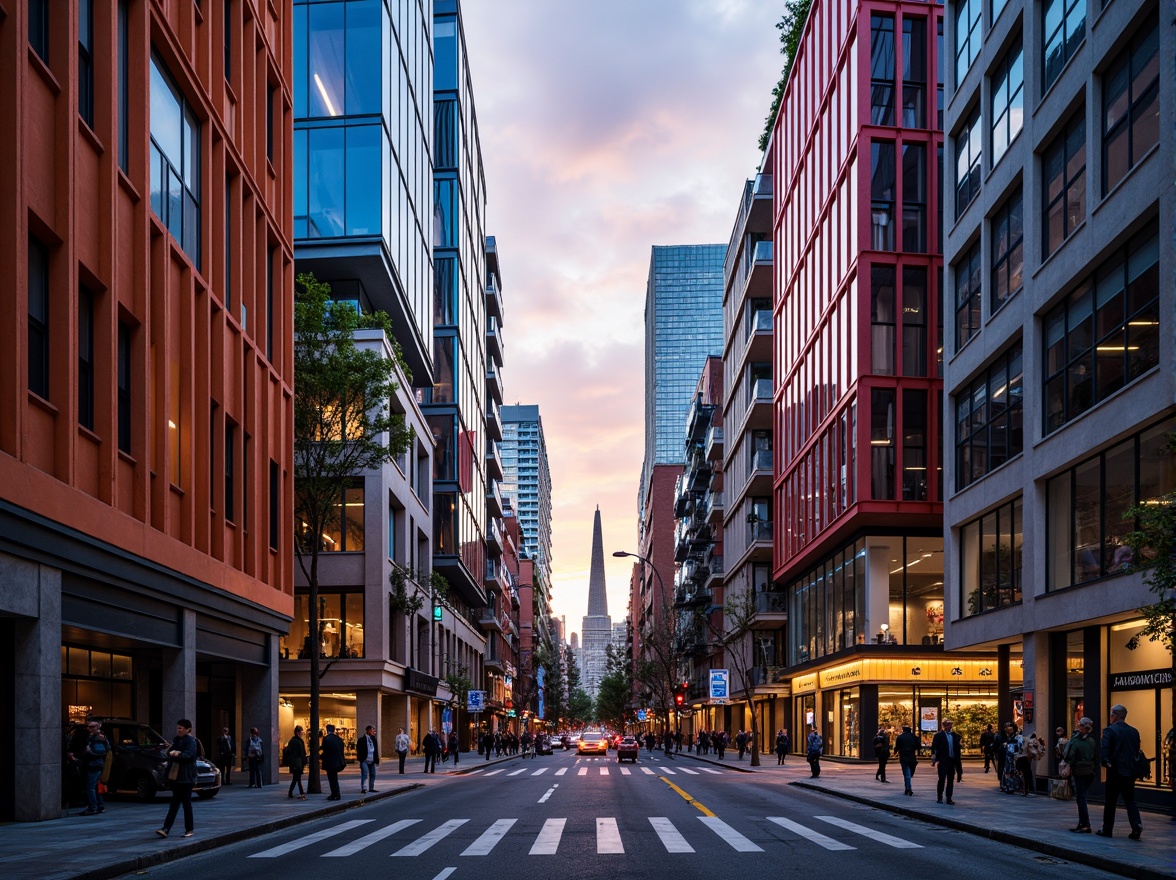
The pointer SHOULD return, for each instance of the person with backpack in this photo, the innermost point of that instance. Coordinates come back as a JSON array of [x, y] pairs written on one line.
[[294, 757], [882, 753], [814, 745], [93, 761], [1119, 752]]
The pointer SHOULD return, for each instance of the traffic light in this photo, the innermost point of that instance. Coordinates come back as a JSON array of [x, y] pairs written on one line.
[[437, 611], [679, 699]]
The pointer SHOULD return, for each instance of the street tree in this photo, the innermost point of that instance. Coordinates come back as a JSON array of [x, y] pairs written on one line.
[[667, 639], [343, 426], [614, 690], [732, 631], [580, 707]]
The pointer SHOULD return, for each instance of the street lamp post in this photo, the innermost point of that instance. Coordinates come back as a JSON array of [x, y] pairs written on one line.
[[644, 561]]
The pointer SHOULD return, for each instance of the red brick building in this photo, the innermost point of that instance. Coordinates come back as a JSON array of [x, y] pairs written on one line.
[[145, 380]]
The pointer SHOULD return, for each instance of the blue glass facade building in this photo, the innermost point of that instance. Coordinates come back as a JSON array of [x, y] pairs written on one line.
[[527, 480]]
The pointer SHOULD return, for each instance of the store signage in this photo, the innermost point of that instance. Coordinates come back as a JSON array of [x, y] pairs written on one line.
[[422, 682], [804, 683], [719, 679], [475, 701], [641, 715], [848, 673], [1141, 680]]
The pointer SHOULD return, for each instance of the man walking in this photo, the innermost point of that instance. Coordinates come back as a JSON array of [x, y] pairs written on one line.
[[182, 757], [945, 751], [333, 761], [254, 752], [402, 743], [906, 746], [225, 755], [93, 760], [987, 741], [1120, 745], [882, 753], [454, 746], [431, 746], [368, 755], [814, 745]]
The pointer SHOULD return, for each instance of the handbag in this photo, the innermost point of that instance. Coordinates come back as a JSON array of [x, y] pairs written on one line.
[[1141, 765], [1064, 770], [1063, 791], [173, 771]]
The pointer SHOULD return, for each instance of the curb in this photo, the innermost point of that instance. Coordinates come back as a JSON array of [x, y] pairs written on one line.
[[1111, 866], [138, 863]]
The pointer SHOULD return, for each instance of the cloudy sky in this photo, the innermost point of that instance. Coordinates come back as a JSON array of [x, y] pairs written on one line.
[[607, 126]]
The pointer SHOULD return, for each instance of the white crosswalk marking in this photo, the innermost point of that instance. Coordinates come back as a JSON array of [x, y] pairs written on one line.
[[561, 771], [808, 834], [668, 771], [625, 771], [444, 874], [583, 771], [540, 771], [285, 848], [517, 772], [713, 772], [608, 837], [419, 846], [472, 772], [604, 771], [738, 842], [881, 837], [495, 772], [647, 770], [548, 840], [670, 837], [688, 771], [367, 840], [490, 837]]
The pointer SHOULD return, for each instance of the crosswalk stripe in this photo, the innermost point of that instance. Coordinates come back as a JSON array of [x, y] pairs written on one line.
[[495, 772], [472, 772], [548, 840], [285, 848], [490, 837], [737, 841], [517, 772], [540, 771], [713, 772], [647, 770], [625, 771], [880, 836], [561, 771], [367, 840], [668, 771], [608, 837], [808, 834], [583, 771], [604, 771], [439, 833], [670, 837], [687, 770]]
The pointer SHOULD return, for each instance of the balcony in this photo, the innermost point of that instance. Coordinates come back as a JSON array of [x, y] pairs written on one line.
[[489, 619], [714, 443], [697, 596], [493, 499], [494, 299], [714, 508], [494, 537], [494, 461], [681, 497], [682, 536], [493, 423], [759, 532], [761, 390], [698, 420], [497, 579], [714, 572], [494, 382], [493, 341]]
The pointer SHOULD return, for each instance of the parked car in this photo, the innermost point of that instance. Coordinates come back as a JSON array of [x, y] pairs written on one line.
[[628, 748], [139, 763]]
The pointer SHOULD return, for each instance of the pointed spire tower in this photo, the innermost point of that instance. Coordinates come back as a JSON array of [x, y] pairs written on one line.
[[596, 630]]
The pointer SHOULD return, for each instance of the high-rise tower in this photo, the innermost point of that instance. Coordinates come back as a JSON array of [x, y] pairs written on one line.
[[597, 625]]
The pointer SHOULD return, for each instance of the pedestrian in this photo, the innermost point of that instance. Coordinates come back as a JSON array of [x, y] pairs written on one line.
[[987, 739], [333, 761], [882, 753], [454, 746], [431, 746], [1034, 751], [93, 762], [1081, 754], [1000, 753], [487, 744], [402, 744], [367, 753], [181, 774], [1016, 763], [945, 751], [721, 740], [226, 755], [781, 746], [1117, 752], [294, 757], [1059, 742], [668, 740], [255, 752], [814, 745], [678, 740], [906, 746], [741, 743]]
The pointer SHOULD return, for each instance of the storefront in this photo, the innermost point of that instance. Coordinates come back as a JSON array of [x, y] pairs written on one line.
[[1140, 678]]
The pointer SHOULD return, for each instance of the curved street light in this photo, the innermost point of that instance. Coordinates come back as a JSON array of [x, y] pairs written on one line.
[[622, 553]]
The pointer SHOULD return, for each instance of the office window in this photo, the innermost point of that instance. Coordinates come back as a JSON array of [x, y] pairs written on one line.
[[38, 319], [270, 96], [940, 64], [175, 161], [967, 283], [914, 445], [1131, 106], [1008, 100], [124, 93], [883, 320], [124, 387], [882, 443], [914, 321], [882, 70], [1064, 169], [39, 27], [228, 293], [1064, 29], [86, 61], [990, 559], [230, 471], [914, 72], [271, 255], [1105, 334], [989, 418], [967, 34], [967, 162], [997, 8], [275, 518], [85, 357], [882, 195], [228, 34], [914, 198], [344, 527], [1008, 254]]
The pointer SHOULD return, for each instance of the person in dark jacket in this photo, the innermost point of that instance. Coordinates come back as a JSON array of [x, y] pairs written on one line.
[[333, 760], [295, 755], [226, 754], [367, 753], [454, 746], [906, 746], [487, 744], [1120, 745], [431, 746], [813, 747], [882, 753], [182, 774], [987, 740], [1081, 753], [93, 760], [945, 752], [782, 746]]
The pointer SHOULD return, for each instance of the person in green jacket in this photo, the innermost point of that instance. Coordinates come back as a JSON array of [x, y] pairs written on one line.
[[1081, 754], [295, 755]]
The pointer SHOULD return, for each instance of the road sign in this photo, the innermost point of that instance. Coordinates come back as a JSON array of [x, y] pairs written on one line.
[[640, 714], [718, 684], [446, 720], [475, 701]]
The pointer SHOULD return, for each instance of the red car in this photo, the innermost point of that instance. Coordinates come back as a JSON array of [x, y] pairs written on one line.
[[628, 748]]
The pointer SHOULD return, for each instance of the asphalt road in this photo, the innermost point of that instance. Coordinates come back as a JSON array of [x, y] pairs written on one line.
[[567, 817]]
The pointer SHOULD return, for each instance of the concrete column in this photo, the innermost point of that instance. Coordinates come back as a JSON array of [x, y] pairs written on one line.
[[259, 708], [179, 677], [367, 711], [37, 727]]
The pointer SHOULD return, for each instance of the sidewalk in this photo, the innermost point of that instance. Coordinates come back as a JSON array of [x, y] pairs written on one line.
[[123, 838], [1038, 823]]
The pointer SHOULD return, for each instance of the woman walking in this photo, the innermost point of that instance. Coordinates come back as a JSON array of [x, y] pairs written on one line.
[[296, 761], [882, 753], [1081, 753]]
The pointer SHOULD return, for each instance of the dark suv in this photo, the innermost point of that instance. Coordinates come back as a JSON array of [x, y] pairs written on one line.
[[140, 759]]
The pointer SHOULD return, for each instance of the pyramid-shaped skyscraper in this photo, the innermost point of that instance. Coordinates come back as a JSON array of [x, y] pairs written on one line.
[[597, 627]]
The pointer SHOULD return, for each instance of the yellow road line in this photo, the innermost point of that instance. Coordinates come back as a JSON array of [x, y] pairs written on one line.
[[687, 797]]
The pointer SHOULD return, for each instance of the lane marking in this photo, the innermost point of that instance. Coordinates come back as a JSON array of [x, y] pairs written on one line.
[[293, 845], [472, 772], [709, 770], [489, 838], [494, 772], [540, 771], [608, 837], [647, 770], [583, 771], [808, 834], [561, 771], [366, 841], [668, 770], [738, 842], [419, 846], [444, 874], [604, 771], [880, 836], [670, 837], [688, 771], [625, 771], [702, 809], [550, 792], [517, 772], [548, 840]]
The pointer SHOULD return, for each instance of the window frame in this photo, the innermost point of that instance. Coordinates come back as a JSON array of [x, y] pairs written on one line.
[[1125, 124], [970, 261], [971, 37], [978, 416], [188, 174], [1013, 98], [39, 337], [972, 586], [86, 303], [86, 61], [1069, 41], [1062, 145], [967, 185], [1008, 232]]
